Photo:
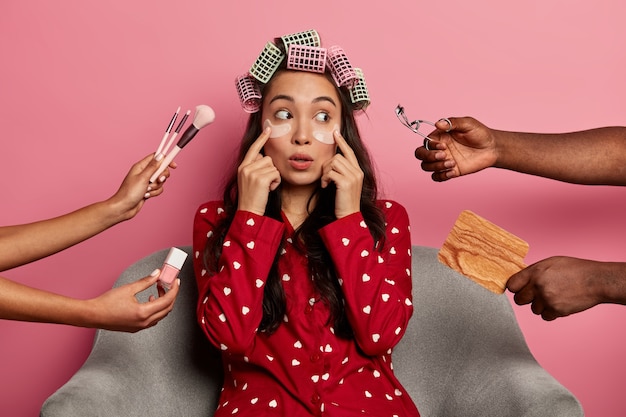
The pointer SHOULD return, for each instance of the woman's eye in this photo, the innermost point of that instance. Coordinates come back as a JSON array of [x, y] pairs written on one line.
[[322, 117], [283, 114]]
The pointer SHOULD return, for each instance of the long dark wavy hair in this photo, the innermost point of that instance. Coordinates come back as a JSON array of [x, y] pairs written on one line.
[[307, 239]]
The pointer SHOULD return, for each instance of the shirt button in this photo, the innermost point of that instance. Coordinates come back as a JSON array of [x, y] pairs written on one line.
[[315, 357], [315, 399], [308, 309]]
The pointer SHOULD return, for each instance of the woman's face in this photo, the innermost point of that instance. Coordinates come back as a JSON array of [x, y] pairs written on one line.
[[303, 109]]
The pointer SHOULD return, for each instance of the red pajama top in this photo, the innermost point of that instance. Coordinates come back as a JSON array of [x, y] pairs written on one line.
[[303, 368]]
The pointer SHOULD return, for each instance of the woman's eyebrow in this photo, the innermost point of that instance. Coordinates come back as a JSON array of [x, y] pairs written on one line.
[[315, 100], [325, 98], [282, 97]]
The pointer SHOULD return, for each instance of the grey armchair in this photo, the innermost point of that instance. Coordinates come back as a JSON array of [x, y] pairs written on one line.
[[463, 355]]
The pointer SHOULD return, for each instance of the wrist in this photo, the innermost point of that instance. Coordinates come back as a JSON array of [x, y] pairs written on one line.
[[75, 312], [251, 209], [500, 141], [611, 283], [345, 213], [116, 211], [89, 313]]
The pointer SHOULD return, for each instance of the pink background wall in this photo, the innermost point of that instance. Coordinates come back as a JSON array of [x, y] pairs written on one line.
[[86, 89]]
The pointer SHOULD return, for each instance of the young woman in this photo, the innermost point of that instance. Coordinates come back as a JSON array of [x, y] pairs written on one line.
[[304, 276]]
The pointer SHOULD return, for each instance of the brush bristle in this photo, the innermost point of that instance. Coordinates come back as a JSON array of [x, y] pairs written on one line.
[[203, 117]]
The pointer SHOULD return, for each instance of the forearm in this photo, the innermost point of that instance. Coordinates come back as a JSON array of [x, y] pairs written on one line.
[[611, 282], [230, 305], [25, 243], [596, 156], [376, 284], [19, 302]]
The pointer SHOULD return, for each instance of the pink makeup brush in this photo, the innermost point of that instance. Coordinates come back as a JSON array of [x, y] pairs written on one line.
[[167, 132], [166, 148], [203, 117]]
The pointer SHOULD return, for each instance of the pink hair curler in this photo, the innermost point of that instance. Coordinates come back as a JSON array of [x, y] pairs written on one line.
[[306, 58], [307, 37], [267, 63], [249, 93], [358, 94], [340, 67]]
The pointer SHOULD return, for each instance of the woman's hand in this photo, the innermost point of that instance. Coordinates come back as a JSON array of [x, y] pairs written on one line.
[[136, 188], [460, 146], [256, 177], [345, 172], [119, 310]]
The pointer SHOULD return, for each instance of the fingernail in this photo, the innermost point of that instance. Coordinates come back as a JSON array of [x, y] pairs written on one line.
[[146, 195], [155, 272], [149, 188], [162, 179], [447, 121], [159, 157], [178, 281]]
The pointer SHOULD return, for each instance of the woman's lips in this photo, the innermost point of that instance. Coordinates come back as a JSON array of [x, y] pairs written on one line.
[[300, 161]]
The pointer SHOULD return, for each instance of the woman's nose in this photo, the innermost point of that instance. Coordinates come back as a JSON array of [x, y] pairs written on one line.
[[302, 134]]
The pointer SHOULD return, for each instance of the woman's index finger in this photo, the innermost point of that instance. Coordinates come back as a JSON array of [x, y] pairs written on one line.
[[345, 148], [258, 144]]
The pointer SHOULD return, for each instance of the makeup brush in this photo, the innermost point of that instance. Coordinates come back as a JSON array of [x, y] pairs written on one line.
[[167, 132], [176, 132], [203, 117]]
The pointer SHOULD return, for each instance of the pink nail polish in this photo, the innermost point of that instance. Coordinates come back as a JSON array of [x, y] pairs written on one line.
[[172, 266]]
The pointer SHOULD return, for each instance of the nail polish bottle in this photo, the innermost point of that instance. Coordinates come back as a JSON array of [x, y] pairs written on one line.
[[172, 266]]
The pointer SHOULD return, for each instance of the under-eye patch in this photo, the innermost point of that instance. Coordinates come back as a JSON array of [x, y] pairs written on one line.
[[325, 136], [277, 130]]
